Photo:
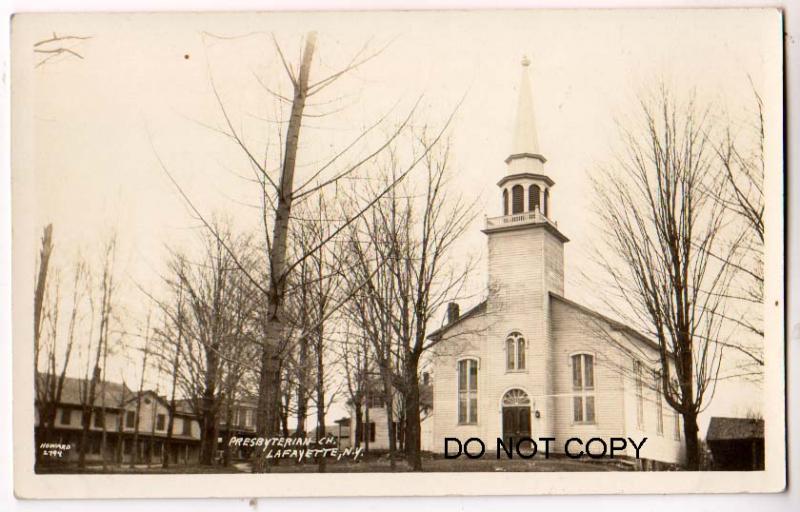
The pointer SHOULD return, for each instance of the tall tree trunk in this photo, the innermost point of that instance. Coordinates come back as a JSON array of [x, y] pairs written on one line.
[[389, 403], [208, 405], [172, 400], [268, 391], [690, 431], [413, 428]]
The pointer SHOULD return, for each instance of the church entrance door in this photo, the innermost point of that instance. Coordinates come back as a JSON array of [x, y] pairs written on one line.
[[516, 416]]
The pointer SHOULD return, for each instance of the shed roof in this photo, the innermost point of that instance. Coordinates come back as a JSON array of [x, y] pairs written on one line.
[[728, 429]]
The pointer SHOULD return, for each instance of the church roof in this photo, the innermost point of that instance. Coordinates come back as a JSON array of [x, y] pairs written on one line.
[[477, 309], [481, 308], [616, 324]]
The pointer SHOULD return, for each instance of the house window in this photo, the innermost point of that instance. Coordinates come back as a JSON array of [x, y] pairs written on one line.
[[637, 375], [505, 202], [468, 391], [248, 418], [127, 446], [161, 420], [517, 199], [187, 427], [66, 416], [515, 352], [534, 196], [583, 388], [546, 209], [371, 433], [130, 419], [659, 404], [99, 420]]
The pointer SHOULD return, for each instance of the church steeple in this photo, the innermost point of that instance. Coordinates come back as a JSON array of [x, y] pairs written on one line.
[[526, 187], [525, 153]]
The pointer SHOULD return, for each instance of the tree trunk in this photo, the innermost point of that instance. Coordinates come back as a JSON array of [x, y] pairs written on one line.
[[690, 431], [268, 395], [209, 407], [359, 426], [413, 428]]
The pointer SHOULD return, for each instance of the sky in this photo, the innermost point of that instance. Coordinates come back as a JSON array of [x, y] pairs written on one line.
[[142, 91]]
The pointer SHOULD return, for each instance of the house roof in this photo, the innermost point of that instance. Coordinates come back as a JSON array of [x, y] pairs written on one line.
[[476, 310], [727, 429], [115, 393]]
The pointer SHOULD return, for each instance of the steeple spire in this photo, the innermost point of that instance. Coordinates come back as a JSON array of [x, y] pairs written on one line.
[[525, 153]]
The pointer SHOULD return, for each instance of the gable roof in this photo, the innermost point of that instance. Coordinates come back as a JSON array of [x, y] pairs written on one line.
[[728, 429], [616, 324], [115, 393], [476, 310]]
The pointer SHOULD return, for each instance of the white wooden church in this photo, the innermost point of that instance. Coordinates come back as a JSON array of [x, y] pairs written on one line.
[[528, 361]]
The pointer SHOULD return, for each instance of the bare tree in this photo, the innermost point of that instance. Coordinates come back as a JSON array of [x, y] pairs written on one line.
[[89, 385], [659, 230], [279, 195], [410, 238], [741, 193]]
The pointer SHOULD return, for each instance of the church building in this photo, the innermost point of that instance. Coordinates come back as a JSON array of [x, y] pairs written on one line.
[[527, 361]]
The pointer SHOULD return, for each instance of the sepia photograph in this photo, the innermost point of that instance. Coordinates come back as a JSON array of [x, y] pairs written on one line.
[[453, 247]]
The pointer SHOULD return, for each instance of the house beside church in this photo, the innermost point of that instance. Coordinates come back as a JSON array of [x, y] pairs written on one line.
[[529, 362]]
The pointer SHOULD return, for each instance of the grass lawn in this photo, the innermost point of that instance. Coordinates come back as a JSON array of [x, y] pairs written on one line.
[[369, 464]]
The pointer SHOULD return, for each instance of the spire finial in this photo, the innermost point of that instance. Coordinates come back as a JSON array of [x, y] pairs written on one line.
[[525, 61]]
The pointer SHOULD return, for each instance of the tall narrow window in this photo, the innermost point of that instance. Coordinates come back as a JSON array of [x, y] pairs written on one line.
[[676, 433], [517, 199], [659, 404], [130, 419], [515, 352], [468, 391], [546, 208], [534, 196], [583, 388], [66, 416], [161, 421], [505, 202], [187, 427], [637, 375]]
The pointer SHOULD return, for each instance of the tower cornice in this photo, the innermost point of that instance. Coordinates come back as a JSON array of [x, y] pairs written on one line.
[[526, 175]]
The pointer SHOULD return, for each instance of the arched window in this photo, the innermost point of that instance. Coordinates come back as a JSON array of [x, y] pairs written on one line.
[[516, 398], [534, 196], [468, 391], [546, 208], [583, 388], [515, 352], [517, 199], [505, 202]]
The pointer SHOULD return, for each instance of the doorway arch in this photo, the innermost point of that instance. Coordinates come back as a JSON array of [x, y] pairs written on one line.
[[516, 415]]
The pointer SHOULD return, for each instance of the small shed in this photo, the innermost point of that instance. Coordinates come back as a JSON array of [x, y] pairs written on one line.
[[736, 444]]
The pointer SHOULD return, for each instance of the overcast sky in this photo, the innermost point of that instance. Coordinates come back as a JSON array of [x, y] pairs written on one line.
[[143, 88]]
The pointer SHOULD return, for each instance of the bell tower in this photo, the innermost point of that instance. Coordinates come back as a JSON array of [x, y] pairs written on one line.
[[526, 264]]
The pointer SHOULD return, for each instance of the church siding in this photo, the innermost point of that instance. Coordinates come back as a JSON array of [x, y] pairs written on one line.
[[462, 341]]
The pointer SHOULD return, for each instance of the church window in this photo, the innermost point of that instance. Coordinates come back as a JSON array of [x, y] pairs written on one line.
[[637, 375], [517, 199], [676, 434], [583, 410], [659, 404], [505, 202], [515, 352], [468, 391], [534, 196], [546, 208]]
